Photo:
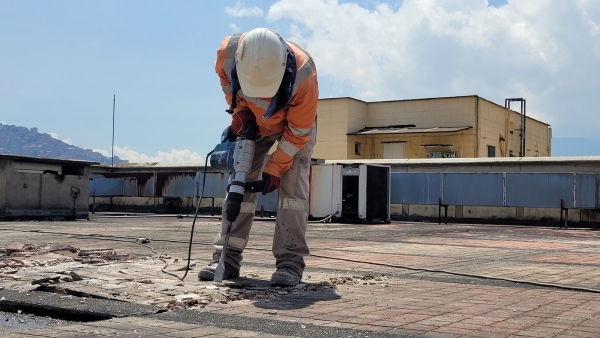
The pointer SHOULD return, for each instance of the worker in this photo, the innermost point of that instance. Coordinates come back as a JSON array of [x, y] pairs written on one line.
[[273, 83]]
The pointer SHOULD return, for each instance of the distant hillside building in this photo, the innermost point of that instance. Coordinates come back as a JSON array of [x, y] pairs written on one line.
[[462, 126], [21, 141]]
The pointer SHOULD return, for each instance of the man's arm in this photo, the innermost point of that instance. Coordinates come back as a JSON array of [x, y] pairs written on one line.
[[221, 65], [300, 117]]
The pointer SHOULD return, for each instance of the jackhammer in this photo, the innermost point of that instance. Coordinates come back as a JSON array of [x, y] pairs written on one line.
[[235, 155]]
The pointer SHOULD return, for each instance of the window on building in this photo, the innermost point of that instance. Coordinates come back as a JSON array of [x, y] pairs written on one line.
[[393, 150], [439, 150], [491, 151], [441, 154], [356, 148]]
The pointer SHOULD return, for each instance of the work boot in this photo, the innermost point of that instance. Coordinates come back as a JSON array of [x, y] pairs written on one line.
[[285, 276], [208, 272]]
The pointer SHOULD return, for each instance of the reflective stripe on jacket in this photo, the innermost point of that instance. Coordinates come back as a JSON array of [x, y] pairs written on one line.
[[295, 120]]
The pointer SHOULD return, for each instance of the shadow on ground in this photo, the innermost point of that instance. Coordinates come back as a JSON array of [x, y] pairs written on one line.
[[292, 298]]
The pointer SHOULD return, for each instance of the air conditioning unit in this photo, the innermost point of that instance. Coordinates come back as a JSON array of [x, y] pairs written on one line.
[[356, 193]]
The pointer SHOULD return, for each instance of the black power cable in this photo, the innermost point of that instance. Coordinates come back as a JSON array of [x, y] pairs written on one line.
[[187, 268]]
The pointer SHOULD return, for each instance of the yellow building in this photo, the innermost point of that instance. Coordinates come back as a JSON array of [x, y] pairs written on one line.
[[463, 126]]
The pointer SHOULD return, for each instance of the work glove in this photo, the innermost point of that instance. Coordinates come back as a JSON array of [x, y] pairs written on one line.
[[241, 120], [271, 183]]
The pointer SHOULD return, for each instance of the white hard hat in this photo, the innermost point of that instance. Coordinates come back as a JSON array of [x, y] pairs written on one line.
[[260, 61]]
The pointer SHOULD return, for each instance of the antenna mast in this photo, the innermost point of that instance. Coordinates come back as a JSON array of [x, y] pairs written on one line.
[[112, 155]]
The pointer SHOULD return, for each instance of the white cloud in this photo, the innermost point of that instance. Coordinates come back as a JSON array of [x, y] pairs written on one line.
[[55, 136], [102, 151], [173, 156], [2, 122], [234, 28], [545, 51], [240, 11]]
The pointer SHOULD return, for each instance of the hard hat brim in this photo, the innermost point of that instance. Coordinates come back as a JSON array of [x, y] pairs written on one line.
[[251, 90]]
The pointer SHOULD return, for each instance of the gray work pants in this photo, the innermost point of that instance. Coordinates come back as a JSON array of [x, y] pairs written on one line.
[[289, 244]]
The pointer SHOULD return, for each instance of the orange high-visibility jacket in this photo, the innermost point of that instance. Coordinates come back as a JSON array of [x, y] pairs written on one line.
[[295, 120]]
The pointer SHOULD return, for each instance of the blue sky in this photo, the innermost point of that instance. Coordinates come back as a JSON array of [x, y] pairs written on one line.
[[62, 61]]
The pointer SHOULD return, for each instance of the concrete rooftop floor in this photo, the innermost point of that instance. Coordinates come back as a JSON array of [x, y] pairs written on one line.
[[399, 279]]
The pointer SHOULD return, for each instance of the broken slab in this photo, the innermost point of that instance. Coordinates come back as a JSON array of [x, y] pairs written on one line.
[[95, 251], [15, 246], [45, 303], [53, 279]]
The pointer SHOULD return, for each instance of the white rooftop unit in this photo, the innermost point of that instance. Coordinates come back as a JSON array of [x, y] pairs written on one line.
[[350, 192]]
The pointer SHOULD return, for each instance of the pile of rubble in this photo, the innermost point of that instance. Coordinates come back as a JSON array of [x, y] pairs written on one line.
[[101, 272], [368, 279], [17, 255], [231, 291]]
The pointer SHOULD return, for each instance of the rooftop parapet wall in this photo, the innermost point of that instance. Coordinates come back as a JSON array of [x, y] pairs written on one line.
[[583, 164], [42, 187]]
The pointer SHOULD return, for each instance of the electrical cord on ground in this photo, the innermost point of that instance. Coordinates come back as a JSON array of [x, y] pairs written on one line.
[[195, 217], [518, 281], [100, 237], [164, 261], [324, 219], [158, 254]]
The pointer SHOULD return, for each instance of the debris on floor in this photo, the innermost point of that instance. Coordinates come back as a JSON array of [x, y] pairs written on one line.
[[102, 272]]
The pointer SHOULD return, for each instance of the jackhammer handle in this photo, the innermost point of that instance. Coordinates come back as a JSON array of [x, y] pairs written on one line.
[[255, 186]]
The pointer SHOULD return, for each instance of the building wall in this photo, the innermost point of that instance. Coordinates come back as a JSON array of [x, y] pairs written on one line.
[[332, 126], [491, 126], [538, 140], [357, 115], [372, 147], [496, 123], [3, 192], [494, 130], [367, 149], [424, 113], [463, 141], [357, 120], [29, 190]]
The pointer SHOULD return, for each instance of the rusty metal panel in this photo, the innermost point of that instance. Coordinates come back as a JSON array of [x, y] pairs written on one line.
[[415, 188], [215, 186], [128, 184], [147, 188], [476, 189], [190, 185], [179, 185], [539, 190], [130, 187], [106, 187]]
